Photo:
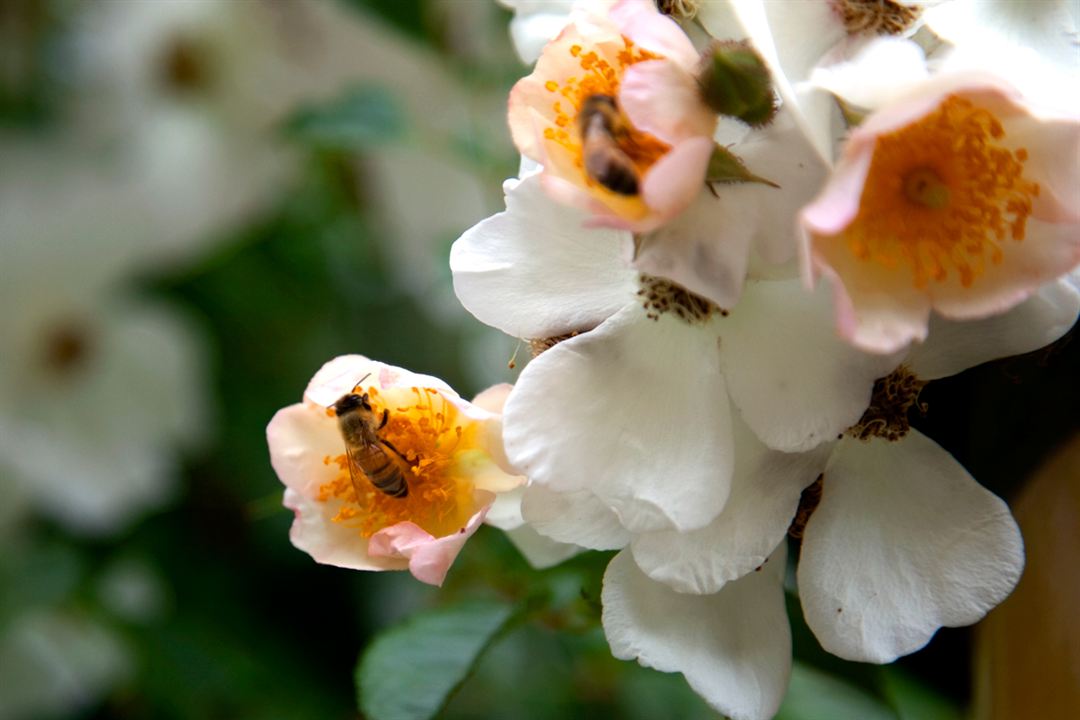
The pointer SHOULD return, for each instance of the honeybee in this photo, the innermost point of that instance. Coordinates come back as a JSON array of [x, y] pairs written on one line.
[[370, 456], [601, 126]]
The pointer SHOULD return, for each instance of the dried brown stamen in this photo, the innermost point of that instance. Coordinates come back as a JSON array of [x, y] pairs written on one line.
[[661, 296], [808, 502], [539, 345], [887, 416], [679, 9], [876, 17], [66, 346]]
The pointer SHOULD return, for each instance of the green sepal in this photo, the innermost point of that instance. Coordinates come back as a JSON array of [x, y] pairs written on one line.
[[726, 167]]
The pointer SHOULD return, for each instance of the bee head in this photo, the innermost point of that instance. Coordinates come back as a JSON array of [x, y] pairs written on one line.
[[351, 402]]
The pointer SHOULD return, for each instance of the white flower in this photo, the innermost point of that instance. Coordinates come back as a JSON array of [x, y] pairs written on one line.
[[898, 541], [634, 409], [535, 23]]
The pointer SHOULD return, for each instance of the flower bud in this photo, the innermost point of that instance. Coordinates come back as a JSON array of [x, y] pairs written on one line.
[[735, 81]]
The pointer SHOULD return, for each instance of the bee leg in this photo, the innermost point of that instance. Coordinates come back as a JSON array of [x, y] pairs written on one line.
[[397, 452], [385, 418]]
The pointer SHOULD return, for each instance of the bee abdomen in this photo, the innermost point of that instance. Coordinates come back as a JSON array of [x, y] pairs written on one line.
[[385, 474], [614, 171]]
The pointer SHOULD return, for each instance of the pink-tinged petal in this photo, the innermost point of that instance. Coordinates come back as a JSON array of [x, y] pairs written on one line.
[[493, 398], [765, 494], [1048, 251], [640, 21], [876, 310], [953, 347], [429, 558], [733, 647], [903, 542], [705, 249], [340, 376], [579, 518], [663, 99], [1053, 147], [314, 531], [675, 180], [838, 203], [300, 440]]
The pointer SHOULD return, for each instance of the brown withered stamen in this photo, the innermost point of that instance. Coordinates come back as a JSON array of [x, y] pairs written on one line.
[[808, 502], [679, 9], [661, 296], [539, 345], [876, 17], [887, 416]]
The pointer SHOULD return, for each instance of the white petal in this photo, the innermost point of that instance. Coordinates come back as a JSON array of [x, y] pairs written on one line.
[[705, 248], [634, 412], [796, 383], [868, 75], [903, 542], [954, 346], [1048, 26], [541, 552], [534, 271], [764, 497], [733, 647], [578, 518], [537, 23]]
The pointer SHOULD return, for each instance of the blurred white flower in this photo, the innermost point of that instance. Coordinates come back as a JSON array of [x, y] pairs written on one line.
[[98, 389], [55, 662]]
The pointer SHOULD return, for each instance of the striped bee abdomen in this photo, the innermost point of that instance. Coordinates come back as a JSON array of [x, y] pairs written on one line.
[[382, 469]]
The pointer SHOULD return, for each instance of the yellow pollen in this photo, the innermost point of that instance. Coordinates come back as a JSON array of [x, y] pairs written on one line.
[[602, 76], [942, 196], [431, 434]]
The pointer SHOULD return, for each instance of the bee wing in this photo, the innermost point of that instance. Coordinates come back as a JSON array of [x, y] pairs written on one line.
[[356, 473]]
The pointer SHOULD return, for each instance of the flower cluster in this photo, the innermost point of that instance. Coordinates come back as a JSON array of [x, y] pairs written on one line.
[[719, 366], [739, 248]]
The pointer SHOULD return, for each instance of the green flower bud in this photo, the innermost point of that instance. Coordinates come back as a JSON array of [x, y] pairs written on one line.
[[735, 81]]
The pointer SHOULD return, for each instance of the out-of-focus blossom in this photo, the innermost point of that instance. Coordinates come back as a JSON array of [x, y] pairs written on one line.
[[56, 662], [452, 448], [958, 197], [614, 114], [99, 391]]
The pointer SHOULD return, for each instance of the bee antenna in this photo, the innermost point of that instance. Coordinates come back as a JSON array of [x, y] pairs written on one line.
[[361, 380]]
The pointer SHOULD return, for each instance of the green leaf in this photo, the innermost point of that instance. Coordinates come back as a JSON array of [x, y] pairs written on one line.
[[410, 671], [814, 695], [362, 117], [913, 700]]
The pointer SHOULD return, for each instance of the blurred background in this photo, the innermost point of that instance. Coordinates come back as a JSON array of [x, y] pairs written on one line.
[[201, 202]]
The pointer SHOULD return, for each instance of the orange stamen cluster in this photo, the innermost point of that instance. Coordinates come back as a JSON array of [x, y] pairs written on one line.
[[942, 196], [601, 75], [430, 433]]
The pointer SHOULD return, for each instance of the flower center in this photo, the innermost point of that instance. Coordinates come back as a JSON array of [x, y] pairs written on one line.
[[876, 17], [429, 433], [660, 296], [66, 347], [184, 67], [941, 195], [887, 417], [601, 77]]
